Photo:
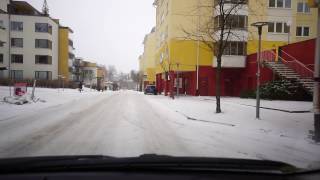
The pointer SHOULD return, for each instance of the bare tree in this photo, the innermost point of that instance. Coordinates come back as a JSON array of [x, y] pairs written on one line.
[[216, 32], [111, 72], [137, 77]]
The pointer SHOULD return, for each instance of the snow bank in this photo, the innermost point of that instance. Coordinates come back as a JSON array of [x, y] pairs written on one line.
[[48, 98]]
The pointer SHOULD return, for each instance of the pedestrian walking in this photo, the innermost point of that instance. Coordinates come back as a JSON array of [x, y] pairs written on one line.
[[80, 86]]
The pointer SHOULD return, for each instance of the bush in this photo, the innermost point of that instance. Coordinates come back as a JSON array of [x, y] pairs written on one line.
[[280, 90]]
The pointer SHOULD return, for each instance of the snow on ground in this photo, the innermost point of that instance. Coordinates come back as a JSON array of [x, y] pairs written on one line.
[[48, 97], [236, 132], [128, 123]]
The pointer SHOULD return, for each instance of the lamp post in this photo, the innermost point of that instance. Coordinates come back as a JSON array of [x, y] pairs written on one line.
[[316, 90], [259, 26]]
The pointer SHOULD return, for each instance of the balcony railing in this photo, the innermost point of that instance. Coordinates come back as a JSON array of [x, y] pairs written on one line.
[[217, 2]]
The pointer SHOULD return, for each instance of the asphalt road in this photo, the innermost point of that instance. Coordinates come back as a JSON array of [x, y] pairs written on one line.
[[123, 124], [129, 124]]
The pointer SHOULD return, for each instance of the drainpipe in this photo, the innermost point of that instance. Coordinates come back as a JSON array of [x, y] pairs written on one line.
[[9, 50]]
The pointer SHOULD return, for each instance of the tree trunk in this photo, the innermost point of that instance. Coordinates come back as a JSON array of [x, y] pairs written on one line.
[[218, 83]]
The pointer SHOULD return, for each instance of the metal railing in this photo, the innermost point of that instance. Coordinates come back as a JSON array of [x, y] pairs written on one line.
[[268, 56], [297, 66], [291, 62]]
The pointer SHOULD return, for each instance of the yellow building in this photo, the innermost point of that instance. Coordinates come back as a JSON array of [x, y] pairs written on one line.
[[66, 55], [101, 77], [147, 60], [179, 54]]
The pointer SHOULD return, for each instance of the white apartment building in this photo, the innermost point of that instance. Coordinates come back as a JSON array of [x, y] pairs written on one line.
[[30, 42]]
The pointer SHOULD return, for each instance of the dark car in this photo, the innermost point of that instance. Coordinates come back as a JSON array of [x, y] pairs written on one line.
[[150, 89]]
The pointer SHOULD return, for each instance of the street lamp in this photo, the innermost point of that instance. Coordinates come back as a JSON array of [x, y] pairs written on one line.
[[259, 26]]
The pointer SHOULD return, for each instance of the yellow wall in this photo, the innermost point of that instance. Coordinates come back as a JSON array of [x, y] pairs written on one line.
[[147, 60], [182, 15], [63, 68], [100, 72]]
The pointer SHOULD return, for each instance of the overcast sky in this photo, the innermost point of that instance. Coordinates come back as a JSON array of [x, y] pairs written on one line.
[[108, 32]]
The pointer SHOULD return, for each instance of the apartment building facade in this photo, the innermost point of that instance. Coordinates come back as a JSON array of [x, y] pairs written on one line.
[[30, 39], [67, 62], [89, 73], [188, 62], [147, 61]]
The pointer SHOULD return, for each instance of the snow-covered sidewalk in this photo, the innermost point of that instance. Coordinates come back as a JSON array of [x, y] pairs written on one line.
[[48, 97], [277, 135]]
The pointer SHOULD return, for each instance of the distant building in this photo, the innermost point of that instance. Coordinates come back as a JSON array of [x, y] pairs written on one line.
[[101, 77], [89, 73], [78, 74], [66, 54], [147, 61]]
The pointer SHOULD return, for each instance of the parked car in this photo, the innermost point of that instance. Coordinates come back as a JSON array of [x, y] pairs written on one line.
[[150, 89]]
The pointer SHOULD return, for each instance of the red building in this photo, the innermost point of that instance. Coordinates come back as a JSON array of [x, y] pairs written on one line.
[[237, 80]]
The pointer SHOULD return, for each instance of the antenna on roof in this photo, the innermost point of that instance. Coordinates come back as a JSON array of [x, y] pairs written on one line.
[[45, 8]]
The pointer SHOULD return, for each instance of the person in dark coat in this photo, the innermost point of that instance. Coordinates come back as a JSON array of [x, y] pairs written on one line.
[[80, 86]]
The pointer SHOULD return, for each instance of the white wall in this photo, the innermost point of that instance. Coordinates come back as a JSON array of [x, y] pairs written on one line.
[[4, 38], [4, 5], [29, 51], [231, 61], [86, 80]]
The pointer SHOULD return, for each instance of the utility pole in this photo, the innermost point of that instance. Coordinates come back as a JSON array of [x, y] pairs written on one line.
[[198, 49], [316, 94], [259, 26]]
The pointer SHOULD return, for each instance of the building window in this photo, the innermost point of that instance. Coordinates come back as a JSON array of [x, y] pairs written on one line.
[[17, 58], [16, 26], [271, 27], [1, 74], [2, 24], [1, 58], [71, 56], [43, 27], [43, 75], [278, 27], [70, 43], [303, 31], [43, 43], [235, 48], [233, 21], [280, 3], [43, 59], [16, 74], [303, 7], [16, 42], [286, 28]]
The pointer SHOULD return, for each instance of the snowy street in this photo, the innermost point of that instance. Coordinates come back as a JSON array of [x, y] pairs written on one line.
[[128, 123]]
